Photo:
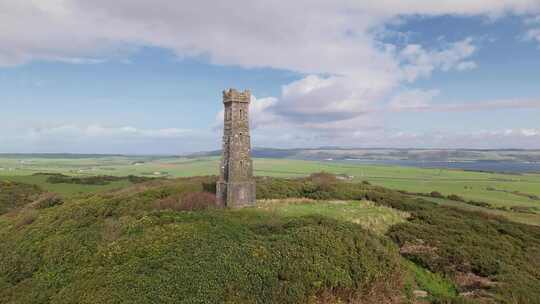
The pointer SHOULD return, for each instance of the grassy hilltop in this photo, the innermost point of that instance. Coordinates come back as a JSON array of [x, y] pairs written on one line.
[[163, 241], [515, 196]]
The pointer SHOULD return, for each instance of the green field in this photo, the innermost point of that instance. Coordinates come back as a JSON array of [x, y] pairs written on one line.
[[365, 213], [64, 189], [499, 190]]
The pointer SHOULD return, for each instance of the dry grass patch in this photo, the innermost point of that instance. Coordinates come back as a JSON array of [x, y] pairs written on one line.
[[365, 213], [26, 217], [187, 202]]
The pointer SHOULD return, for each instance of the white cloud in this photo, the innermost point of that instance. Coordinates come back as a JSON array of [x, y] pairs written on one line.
[[323, 99], [413, 99], [354, 93], [258, 113], [533, 34], [97, 138], [420, 101], [532, 20], [77, 60], [370, 129], [505, 138], [348, 69], [288, 35], [353, 133], [432, 138], [466, 65], [419, 62], [530, 132], [277, 35], [97, 130]]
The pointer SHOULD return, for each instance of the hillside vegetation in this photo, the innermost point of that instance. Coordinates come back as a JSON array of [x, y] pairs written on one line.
[[516, 196], [152, 242], [121, 248], [485, 254], [14, 195]]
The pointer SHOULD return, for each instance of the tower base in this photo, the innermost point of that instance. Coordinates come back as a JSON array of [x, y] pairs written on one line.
[[235, 194]]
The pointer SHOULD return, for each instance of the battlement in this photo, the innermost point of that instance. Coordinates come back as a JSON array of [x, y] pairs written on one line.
[[232, 95]]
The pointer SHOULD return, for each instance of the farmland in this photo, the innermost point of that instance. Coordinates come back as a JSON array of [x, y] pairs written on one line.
[[499, 190]]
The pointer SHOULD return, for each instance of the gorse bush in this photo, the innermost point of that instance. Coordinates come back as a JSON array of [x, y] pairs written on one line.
[[275, 188], [188, 202], [47, 200], [133, 246], [15, 195], [199, 201], [453, 242], [168, 203], [92, 180], [454, 197], [26, 217], [117, 248], [459, 243], [479, 204], [436, 194], [323, 178]]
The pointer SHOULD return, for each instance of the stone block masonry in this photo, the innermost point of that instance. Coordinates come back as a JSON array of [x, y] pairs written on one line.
[[236, 186]]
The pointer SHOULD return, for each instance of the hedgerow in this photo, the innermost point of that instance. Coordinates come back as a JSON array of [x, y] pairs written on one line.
[[56, 178]]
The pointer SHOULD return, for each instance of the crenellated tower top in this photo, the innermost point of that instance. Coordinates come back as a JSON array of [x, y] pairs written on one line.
[[232, 95]]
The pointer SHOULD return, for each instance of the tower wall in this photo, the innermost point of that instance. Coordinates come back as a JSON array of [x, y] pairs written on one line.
[[236, 186]]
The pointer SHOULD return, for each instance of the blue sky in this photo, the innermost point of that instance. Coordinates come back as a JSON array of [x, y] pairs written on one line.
[[141, 78]]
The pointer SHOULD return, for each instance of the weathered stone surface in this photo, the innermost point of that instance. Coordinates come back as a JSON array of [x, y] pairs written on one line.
[[420, 293], [236, 187]]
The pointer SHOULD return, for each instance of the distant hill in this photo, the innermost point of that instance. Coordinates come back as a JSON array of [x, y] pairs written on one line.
[[56, 155], [256, 152], [333, 153]]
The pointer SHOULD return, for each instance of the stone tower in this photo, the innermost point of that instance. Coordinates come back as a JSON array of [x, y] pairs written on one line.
[[236, 187]]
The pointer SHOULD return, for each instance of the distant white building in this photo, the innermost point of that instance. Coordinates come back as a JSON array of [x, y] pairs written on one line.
[[344, 177]]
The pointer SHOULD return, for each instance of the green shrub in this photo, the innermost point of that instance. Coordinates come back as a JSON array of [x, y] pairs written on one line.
[[93, 180], [47, 200], [323, 178], [436, 194], [463, 242], [188, 202], [116, 247], [199, 201], [454, 197], [437, 286], [15, 195], [110, 248], [26, 217], [479, 204], [456, 241]]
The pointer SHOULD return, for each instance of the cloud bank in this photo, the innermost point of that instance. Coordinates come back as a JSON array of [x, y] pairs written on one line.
[[348, 69], [91, 138]]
